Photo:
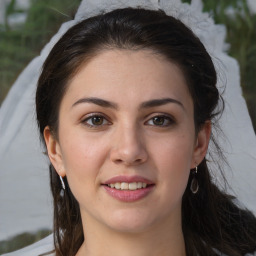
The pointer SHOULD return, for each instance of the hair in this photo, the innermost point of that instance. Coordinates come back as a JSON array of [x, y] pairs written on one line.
[[212, 223]]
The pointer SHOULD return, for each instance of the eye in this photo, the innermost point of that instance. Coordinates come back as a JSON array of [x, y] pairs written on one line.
[[160, 120], [95, 121]]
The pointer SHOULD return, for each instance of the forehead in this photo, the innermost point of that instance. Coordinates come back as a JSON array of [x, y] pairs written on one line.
[[140, 75]]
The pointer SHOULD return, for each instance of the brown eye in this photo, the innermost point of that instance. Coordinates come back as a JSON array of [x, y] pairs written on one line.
[[161, 121], [95, 121]]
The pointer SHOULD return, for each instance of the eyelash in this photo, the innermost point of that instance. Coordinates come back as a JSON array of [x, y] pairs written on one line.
[[167, 120], [88, 121]]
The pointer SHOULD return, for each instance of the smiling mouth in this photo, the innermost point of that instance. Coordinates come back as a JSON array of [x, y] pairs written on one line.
[[128, 190], [128, 186]]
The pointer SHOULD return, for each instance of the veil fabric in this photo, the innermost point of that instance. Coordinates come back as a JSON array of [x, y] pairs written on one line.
[[24, 191]]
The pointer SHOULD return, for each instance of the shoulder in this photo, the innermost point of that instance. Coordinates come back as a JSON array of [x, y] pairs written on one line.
[[43, 246]]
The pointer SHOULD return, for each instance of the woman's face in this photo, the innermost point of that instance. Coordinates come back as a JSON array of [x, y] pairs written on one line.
[[126, 122]]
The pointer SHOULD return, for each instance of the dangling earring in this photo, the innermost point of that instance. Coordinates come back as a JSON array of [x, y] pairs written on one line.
[[194, 186], [62, 183]]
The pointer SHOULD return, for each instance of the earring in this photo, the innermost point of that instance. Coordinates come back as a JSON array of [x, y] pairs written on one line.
[[194, 186], [62, 183]]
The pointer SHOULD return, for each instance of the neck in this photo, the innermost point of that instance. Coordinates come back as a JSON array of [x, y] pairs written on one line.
[[165, 239]]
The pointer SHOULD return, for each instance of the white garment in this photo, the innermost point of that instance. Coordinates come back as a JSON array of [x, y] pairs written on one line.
[[43, 246], [24, 192], [46, 245]]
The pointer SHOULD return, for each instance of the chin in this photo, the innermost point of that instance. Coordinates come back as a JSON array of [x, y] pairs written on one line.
[[131, 221]]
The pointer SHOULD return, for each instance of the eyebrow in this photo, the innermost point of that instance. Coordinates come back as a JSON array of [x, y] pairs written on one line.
[[160, 102], [146, 104], [97, 101]]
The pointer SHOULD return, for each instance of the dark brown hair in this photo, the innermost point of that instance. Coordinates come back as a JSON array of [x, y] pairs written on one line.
[[211, 220]]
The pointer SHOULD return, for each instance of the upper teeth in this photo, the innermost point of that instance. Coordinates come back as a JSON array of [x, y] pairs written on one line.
[[128, 186]]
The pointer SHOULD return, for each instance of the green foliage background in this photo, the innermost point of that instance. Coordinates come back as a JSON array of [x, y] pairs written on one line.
[[241, 36], [20, 44]]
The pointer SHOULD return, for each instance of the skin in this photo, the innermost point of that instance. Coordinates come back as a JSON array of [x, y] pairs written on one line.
[[128, 141]]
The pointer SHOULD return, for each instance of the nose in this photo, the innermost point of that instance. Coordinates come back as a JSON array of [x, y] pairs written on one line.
[[129, 147]]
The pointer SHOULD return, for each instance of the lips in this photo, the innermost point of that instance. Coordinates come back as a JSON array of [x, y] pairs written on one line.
[[128, 179], [128, 188]]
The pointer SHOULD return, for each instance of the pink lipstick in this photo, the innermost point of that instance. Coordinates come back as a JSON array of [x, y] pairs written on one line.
[[128, 188]]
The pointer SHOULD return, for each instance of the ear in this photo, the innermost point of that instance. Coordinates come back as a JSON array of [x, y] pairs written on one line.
[[54, 151], [201, 144]]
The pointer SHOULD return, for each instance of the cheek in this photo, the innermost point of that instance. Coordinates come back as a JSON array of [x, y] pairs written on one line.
[[82, 159], [173, 159], [80, 150], [174, 151]]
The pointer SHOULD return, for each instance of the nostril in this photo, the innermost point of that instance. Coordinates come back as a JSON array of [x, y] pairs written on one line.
[[128, 155], [118, 161], [128, 162]]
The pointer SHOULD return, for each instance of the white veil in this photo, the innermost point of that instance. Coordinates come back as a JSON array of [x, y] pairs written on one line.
[[24, 191]]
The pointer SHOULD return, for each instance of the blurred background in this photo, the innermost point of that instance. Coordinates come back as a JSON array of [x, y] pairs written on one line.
[[27, 25]]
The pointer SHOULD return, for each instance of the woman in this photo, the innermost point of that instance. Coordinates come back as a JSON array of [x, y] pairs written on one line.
[[125, 104]]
